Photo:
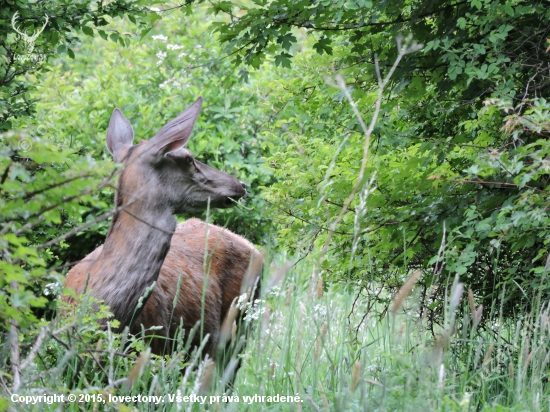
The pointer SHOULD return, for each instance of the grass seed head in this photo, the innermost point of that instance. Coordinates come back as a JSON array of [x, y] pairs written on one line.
[[319, 342], [355, 373], [137, 369], [405, 290], [487, 357], [477, 315], [471, 303]]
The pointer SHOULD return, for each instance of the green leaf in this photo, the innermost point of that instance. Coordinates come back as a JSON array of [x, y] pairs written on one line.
[[103, 35], [323, 45], [87, 31], [283, 60], [54, 38], [509, 9], [287, 40]]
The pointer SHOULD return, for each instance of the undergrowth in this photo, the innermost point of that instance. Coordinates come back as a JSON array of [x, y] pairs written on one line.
[[308, 344]]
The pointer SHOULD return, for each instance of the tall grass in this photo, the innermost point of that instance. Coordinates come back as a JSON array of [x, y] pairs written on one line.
[[307, 342], [317, 345], [339, 361]]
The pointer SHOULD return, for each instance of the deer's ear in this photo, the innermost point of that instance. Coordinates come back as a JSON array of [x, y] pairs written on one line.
[[175, 134], [119, 134]]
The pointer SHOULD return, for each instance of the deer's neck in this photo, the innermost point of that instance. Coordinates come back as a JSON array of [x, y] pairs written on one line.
[[130, 261]]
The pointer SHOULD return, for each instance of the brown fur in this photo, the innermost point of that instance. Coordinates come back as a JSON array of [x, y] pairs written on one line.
[[230, 257], [162, 178]]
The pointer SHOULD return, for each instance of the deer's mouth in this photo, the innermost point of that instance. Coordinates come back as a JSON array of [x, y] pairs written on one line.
[[229, 202]]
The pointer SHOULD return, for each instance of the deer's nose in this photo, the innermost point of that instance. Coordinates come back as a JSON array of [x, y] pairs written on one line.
[[243, 184]]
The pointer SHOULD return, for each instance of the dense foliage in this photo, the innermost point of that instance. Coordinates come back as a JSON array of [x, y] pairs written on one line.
[[31, 33], [451, 178], [459, 155], [60, 169]]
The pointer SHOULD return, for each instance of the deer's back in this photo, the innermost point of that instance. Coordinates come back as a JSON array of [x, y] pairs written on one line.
[[225, 262]]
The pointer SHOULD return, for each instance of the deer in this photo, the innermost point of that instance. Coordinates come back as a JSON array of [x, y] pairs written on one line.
[[145, 245]]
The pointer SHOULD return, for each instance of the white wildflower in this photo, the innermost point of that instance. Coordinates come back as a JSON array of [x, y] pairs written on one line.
[[275, 291], [161, 56], [241, 303], [53, 289], [320, 311], [160, 37], [254, 310], [166, 83]]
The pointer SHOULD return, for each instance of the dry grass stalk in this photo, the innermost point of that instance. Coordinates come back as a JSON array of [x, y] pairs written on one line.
[[442, 376], [472, 303], [402, 330], [254, 267], [300, 325], [436, 355], [226, 331], [528, 361], [474, 313], [405, 290], [488, 354], [36, 347], [266, 318], [543, 318], [234, 331], [373, 383], [289, 294], [83, 377], [137, 369], [207, 377], [278, 274], [477, 315], [355, 373], [98, 349], [319, 342], [313, 404], [511, 370], [456, 295], [320, 287], [323, 397]]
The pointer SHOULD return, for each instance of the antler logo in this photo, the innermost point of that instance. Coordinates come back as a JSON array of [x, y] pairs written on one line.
[[29, 40]]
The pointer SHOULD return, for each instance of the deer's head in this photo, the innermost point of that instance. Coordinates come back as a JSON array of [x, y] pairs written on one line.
[[162, 174]]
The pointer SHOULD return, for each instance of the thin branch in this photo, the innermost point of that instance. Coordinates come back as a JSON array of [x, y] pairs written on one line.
[[324, 228], [79, 228], [5, 174], [54, 185], [368, 132], [35, 348], [483, 182], [29, 225], [14, 348], [306, 25]]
